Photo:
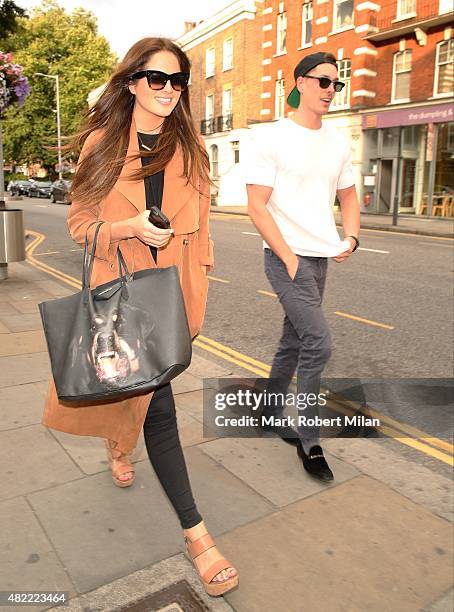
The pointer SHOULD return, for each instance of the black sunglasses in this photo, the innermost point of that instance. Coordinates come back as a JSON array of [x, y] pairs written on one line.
[[158, 80], [325, 82]]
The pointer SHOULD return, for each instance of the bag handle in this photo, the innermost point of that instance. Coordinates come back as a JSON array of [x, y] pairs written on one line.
[[89, 259]]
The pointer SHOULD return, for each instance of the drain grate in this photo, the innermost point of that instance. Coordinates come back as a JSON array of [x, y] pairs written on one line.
[[178, 597]]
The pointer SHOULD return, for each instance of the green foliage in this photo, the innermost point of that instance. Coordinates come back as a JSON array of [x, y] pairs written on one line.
[[9, 26], [53, 41]]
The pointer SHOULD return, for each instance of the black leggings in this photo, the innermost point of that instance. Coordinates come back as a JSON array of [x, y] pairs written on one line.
[[166, 455]]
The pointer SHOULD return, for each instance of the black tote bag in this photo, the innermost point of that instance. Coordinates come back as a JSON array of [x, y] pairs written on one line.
[[120, 339]]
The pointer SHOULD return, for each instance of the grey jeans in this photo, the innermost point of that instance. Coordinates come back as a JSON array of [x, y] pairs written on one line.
[[305, 344]]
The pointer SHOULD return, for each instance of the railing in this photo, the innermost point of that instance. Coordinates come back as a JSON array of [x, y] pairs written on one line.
[[224, 123], [395, 18]]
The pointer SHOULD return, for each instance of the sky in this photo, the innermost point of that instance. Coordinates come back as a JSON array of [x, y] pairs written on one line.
[[123, 22]]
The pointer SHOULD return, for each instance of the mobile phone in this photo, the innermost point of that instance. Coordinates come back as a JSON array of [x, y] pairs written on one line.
[[158, 218]]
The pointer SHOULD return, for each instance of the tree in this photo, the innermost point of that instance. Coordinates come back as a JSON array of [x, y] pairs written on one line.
[[9, 14], [54, 42]]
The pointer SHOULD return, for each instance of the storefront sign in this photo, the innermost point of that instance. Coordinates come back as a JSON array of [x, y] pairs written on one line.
[[436, 113]]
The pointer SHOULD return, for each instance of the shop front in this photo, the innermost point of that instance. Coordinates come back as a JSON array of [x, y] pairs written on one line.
[[408, 159]]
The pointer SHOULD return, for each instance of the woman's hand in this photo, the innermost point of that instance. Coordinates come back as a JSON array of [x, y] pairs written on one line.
[[149, 233]]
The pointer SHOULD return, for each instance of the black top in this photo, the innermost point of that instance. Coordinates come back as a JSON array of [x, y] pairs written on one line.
[[154, 184]]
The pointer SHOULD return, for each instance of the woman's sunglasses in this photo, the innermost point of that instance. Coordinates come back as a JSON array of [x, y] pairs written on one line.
[[158, 80], [325, 82]]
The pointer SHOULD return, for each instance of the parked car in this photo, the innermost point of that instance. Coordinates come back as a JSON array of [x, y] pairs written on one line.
[[40, 189], [19, 187], [59, 191]]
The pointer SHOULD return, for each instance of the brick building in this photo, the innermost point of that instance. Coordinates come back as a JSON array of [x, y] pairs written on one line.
[[226, 71], [396, 58]]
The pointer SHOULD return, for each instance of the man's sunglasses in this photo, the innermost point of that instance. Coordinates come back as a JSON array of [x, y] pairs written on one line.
[[158, 80], [325, 82]]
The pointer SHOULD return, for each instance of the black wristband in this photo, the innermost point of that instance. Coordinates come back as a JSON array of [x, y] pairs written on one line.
[[356, 242]]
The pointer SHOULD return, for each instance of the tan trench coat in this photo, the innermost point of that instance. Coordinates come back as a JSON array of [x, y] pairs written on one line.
[[190, 249]]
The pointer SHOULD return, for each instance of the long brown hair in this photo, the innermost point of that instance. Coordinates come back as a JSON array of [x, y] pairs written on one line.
[[111, 115]]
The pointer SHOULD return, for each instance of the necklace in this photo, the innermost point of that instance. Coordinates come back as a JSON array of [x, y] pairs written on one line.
[[152, 130], [142, 144]]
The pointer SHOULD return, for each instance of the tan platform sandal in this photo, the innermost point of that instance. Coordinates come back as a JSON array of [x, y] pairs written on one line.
[[119, 464], [197, 548]]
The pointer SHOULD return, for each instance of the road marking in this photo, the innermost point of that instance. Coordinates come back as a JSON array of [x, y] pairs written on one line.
[[262, 369], [445, 246], [48, 253], [361, 320], [250, 233], [219, 280], [42, 205], [365, 229], [373, 250], [267, 293]]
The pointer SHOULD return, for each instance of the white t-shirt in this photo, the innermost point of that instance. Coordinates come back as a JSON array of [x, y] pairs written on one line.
[[305, 168]]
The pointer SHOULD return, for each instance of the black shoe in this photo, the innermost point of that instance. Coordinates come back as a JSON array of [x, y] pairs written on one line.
[[315, 463]]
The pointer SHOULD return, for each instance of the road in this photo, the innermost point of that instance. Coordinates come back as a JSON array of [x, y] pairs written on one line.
[[389, 306]]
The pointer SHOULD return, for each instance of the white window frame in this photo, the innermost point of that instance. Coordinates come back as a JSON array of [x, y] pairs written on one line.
[[226, 111], [406, 9], [341, 28], [343, 67], [393, 90], [308, 7], [281, 33], [227, 57], [279, 99], [207, 115], [210, 62], [437, 68]]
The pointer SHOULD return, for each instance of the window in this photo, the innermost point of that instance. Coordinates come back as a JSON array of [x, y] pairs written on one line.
[[279, 99], [281, 33], [342, 98], [306, 31], [209, 60], [401, 76], [209, 107], [444, 69], [227, 54], [226, 102], [236, 151], [405, 8], [214, 161], [343, 14], [445, 6]]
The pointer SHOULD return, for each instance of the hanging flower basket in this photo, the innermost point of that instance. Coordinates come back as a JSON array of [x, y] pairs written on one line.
[[14, 86]]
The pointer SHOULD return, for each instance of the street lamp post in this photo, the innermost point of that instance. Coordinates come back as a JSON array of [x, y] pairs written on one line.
[[57, 88]]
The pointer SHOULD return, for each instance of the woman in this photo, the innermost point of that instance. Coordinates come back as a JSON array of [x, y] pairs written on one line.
[[140, 148]]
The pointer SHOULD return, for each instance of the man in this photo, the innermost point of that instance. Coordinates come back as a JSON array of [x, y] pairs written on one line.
[[294, 169]]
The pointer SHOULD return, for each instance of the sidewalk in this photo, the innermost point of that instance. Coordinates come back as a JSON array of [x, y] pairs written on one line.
[[440, 227], [378, 538]]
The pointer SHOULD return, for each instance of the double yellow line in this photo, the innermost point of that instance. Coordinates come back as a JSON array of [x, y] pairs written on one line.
[[406, 434]]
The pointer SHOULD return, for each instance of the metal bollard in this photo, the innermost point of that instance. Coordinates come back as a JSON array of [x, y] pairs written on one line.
[[12, 238]]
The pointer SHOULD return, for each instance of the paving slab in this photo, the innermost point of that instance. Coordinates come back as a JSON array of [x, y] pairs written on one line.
[[27, 558], [102, 532], [54, 288], [21, 405], [359, 546], [23, 342], [88, 452], [32, 460], [6, 308], [204, 368], [273, 468], [138, 585], [21, 322], [22, 369], [185, 383], [191, 403], [3, 329], [417, 482], [27, 307]]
